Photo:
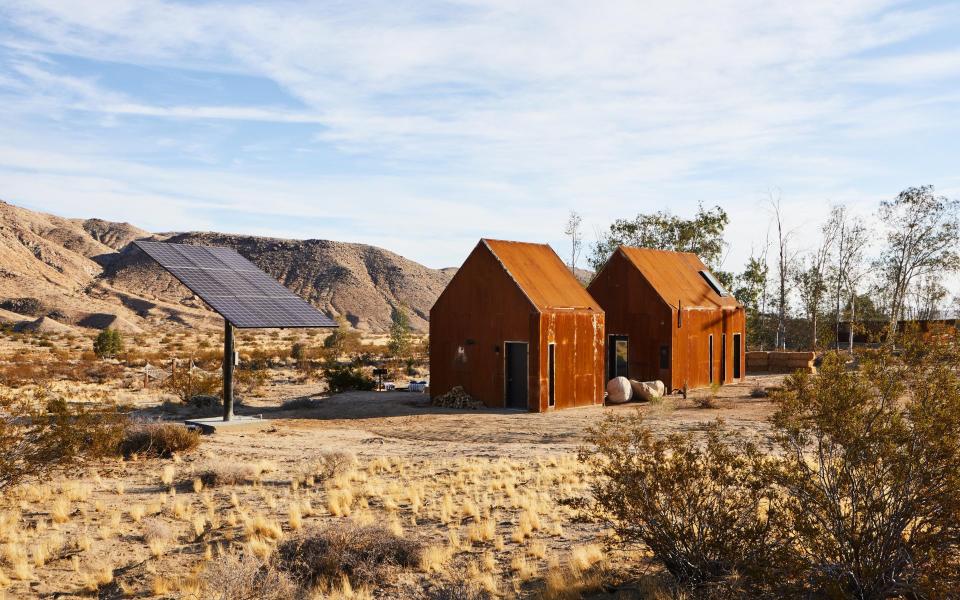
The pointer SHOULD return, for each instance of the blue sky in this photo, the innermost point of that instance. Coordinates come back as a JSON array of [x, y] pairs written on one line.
[[422, 126]]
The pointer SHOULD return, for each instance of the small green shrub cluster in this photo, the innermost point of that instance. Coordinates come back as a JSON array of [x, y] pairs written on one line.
[[859, 500], [342, 378], [108, 343]]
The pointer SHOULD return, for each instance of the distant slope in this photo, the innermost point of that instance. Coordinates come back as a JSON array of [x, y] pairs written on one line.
[[84, 272]]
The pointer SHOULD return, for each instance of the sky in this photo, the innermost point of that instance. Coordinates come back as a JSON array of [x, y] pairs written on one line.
[[422, 126]]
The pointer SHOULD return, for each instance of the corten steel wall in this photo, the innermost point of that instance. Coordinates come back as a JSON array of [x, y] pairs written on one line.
[[579, 378], [635, 309], [691, 343], [482, 308], [479, 310]]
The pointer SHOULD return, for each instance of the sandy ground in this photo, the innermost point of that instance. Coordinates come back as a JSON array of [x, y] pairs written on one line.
[[411, 455], [372, 424]]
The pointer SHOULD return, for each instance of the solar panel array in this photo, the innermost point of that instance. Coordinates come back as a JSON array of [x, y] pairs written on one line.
[[234, 287]]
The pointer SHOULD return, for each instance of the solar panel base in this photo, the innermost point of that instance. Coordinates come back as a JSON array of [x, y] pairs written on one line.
[[234, 287]]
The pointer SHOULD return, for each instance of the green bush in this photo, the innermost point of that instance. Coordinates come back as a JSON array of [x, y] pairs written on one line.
[[342, 378], [108, 343]]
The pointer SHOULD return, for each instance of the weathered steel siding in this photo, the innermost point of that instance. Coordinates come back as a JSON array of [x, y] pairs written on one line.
[[579, 379], [484, 306], [692, 342], [633, 308]]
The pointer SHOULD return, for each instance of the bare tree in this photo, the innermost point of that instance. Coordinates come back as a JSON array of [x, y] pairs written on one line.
[[572, 230], [923, 232], [786, 258], [852, 242], [813, 278]]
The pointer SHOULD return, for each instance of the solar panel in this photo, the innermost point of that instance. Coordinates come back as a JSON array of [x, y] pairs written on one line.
[[234, 287], [716, 285]]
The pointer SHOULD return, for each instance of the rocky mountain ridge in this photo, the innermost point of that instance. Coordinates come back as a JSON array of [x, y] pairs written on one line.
[[86, 273]]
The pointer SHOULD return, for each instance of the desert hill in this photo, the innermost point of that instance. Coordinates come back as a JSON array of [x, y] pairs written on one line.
[[85, 273]]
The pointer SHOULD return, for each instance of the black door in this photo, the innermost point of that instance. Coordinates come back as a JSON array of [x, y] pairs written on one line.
[[618, 354], [516, 375], [736, 356]]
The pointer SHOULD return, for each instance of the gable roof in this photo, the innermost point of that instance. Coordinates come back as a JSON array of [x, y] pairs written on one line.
[[676, 277], [541, 275]]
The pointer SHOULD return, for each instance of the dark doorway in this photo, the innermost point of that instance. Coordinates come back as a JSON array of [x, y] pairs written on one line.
[[552, 375], [516, 375], [723, 358], [618, 353], [736, 356]]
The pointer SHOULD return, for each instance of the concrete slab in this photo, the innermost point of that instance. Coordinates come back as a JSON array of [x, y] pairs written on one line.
[[237, 424]]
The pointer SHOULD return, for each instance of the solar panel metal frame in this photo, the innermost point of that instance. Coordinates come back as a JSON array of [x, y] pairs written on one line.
[[234, 287]]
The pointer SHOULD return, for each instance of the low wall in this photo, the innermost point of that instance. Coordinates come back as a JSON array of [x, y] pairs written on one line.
[[781, 362]]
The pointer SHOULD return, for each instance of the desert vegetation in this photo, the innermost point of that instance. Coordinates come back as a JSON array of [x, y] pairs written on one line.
[[859, 499]]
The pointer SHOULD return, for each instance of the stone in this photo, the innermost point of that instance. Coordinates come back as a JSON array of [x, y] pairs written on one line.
[[619, 390], [648, 390]]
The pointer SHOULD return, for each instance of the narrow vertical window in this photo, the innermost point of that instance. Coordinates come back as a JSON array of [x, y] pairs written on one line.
[[711, 358], [552, 374]]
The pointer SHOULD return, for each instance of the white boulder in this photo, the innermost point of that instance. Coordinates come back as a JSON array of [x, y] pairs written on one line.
[[619, 390]]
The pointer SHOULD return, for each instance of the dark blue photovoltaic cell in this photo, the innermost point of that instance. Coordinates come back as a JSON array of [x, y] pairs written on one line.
[[234, 287]]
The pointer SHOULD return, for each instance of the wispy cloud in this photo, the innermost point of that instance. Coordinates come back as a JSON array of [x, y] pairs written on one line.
[[451, 119]]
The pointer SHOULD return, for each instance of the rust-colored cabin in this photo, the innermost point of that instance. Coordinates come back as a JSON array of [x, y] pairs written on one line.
[[517, 330], [669, 319]]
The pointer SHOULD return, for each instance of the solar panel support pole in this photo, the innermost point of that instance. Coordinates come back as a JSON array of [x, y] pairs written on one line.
[[228, 354]]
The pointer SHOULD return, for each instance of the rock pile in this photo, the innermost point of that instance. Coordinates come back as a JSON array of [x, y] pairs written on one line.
[[457, 398]]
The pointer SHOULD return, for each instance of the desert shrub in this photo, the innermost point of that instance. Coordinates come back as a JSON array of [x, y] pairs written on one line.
[[343, 340], [230, 473], [245, 576], [158, 439], [187, 383], [860, 501], [871, 470], [342, 378], [361, 553], [40, 435], [330, 464], [699, 508], [108, 343]]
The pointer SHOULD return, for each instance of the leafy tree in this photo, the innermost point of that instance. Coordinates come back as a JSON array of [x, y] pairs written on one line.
[[108, 343], [702, 235], [922, 237], [401, 341], [751, 291]]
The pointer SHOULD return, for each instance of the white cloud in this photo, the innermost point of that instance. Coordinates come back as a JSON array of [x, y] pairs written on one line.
[[494, 117]]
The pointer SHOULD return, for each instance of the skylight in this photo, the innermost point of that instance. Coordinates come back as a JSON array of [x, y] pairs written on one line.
[[716, 285]]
